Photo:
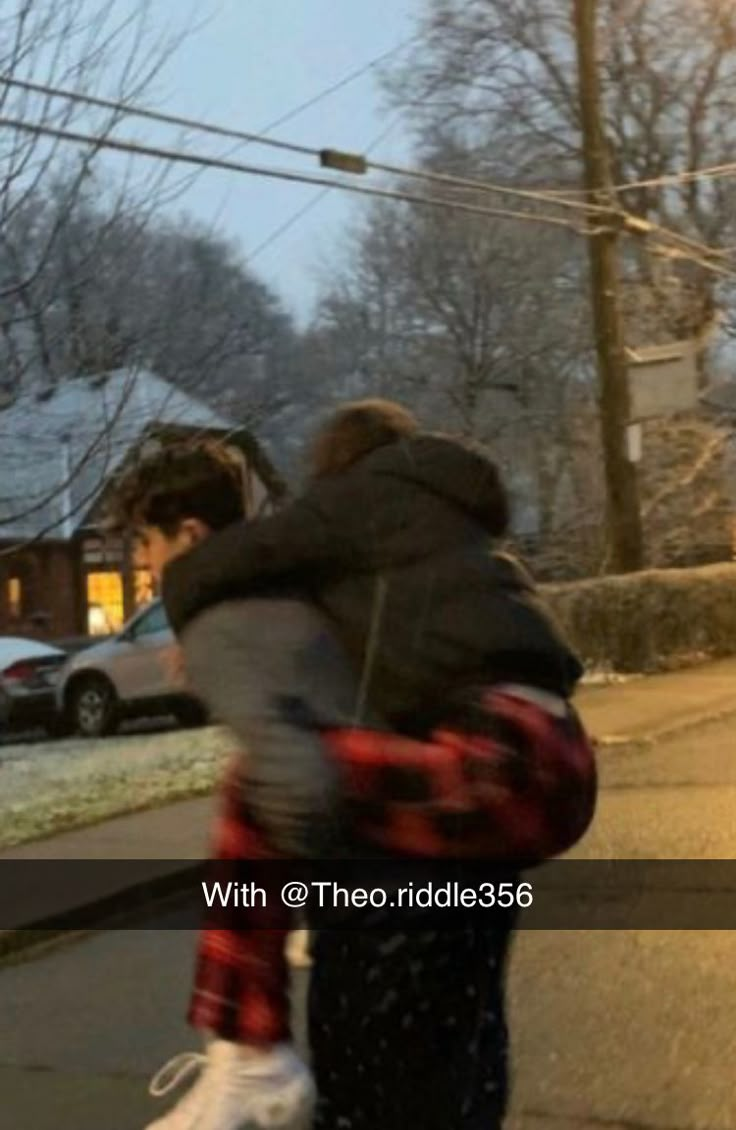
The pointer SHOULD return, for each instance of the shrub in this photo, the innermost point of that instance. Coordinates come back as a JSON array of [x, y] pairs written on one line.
[[650, 621]]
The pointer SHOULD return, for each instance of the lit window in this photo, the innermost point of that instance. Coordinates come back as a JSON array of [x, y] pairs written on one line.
[[144, 587], [105, 613], [15, 596]]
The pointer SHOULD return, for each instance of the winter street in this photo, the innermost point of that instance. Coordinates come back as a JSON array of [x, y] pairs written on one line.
[[610, 1029], [368, 565]]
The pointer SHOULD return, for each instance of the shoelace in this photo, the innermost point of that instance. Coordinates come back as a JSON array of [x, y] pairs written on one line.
[[175, 1072], [267, 1111]]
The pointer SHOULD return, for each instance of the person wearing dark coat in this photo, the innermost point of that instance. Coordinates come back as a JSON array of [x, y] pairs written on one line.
[[397, 551], [395, 548], [394, 544]]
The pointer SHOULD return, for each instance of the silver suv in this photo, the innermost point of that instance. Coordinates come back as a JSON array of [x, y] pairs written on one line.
[[136, 673]]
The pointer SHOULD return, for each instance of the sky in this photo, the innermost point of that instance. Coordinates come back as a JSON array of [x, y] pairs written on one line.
[[246, 63]]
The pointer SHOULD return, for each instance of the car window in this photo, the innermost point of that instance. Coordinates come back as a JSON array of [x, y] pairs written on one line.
[[153, 621]]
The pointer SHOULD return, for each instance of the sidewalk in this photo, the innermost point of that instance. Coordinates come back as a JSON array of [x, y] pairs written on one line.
[[630, 715], [41, 899], [649, 709], [178, 831]]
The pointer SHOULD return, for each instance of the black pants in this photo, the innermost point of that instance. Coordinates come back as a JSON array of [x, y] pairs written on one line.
[[408, 1030]]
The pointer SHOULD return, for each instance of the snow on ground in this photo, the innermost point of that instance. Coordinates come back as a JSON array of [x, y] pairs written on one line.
[[49, 787], [599, 677]]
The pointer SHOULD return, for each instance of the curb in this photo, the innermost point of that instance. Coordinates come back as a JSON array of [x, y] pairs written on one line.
[[629, 743], [99, 912]]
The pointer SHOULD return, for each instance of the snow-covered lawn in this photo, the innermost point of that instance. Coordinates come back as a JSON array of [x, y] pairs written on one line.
[[54, 786]]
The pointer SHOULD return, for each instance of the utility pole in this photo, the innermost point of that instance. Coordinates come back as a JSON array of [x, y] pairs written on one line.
[[623, 516]]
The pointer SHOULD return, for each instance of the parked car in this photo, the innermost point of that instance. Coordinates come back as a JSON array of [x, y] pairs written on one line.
[[29, 671], [135, 673]]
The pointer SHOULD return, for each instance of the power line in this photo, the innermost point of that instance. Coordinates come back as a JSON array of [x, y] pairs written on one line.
[[218, 130], [635, 224], [341, 83], [287, 224], [261, 137], [558, 197], [286, 146], [299, 214], [180, 157], [695, 252], [450, 179], [687, 176], [666, 180], [164, 118], [691, 257], [223, 131]]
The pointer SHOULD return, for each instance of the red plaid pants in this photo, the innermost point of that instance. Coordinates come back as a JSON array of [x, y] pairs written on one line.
[[241, 976]]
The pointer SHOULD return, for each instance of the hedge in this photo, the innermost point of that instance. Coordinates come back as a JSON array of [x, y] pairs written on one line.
[[651, 621]]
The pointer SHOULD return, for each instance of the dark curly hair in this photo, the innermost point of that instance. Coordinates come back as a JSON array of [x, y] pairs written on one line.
[[356, 429], [184, 479]]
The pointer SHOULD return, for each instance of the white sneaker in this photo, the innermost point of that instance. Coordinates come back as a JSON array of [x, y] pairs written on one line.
[[239, 1088], [297, 949]]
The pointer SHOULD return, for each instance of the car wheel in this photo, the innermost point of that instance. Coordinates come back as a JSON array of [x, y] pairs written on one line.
[[190, 715], [94, 707]]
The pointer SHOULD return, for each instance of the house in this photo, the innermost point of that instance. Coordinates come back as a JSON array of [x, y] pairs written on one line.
[[61, 574]]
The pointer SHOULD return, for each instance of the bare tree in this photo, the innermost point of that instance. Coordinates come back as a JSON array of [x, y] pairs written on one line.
[[687, 505], [477, 325], [170, 295], [491, 88], [86, 47], [497, 77]]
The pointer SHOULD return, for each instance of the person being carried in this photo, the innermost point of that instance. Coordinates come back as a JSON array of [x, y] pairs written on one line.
[[391, 542], [373, 450]]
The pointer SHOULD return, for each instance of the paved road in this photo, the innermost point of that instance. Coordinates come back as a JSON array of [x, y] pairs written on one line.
[[612, 1031], [83, 1027]]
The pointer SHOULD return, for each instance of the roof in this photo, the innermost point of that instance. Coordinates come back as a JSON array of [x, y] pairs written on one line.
[[58, 451]]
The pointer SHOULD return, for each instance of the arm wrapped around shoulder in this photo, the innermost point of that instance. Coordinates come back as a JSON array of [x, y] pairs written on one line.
[[312, 534], [272, 673]]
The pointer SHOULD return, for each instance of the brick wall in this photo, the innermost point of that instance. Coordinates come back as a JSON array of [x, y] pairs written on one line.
[[51, 592]]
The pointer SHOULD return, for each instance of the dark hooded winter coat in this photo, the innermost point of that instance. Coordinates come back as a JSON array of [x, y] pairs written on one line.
[[398, 551]]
